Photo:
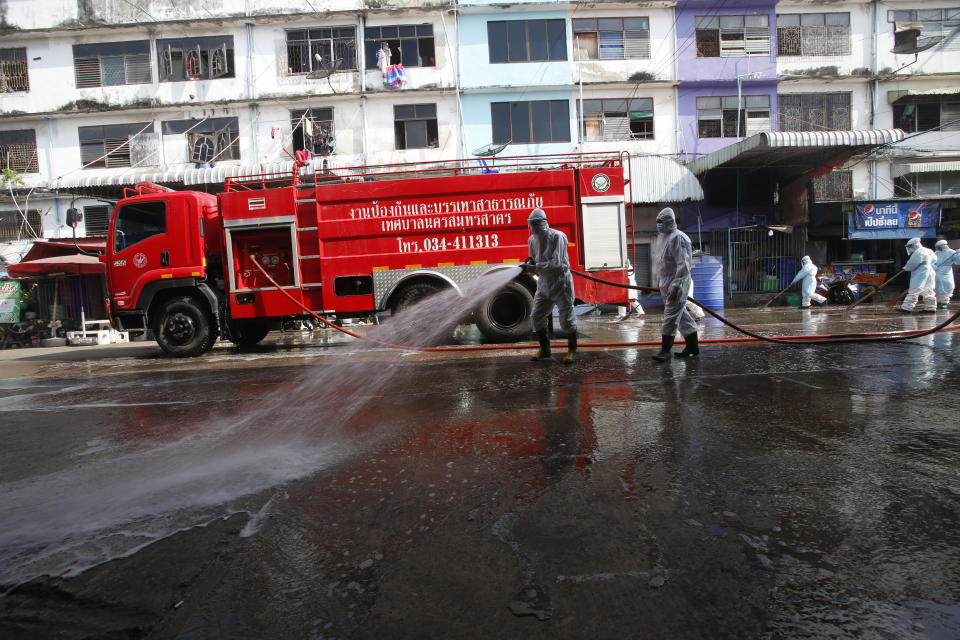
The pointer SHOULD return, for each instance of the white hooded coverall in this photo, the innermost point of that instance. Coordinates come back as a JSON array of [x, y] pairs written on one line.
[[674, 260], [554, 280], [922, 280]]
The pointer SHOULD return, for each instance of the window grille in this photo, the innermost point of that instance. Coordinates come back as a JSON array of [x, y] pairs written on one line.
[[813, 34], [835, 186], [321, 49], [13, 70], [814, 111], [18, 151]]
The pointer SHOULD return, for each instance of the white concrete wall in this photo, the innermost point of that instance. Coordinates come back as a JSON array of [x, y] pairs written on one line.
[[664, 119], [661, 62]]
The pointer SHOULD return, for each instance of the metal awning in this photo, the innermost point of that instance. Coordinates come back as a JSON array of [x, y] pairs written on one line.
[[655, 179], [794, 152], [897, 170], [186, 174], [898, 94]]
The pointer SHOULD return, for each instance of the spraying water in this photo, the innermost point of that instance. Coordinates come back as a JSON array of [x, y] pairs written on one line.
[[115, 496]]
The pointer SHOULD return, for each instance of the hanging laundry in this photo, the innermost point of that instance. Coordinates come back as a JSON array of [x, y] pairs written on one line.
[[383, 58], [395, 76]]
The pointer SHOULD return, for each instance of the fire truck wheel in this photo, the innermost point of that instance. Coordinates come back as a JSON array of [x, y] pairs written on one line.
[[182, 328], [412, 294], [505, 315], [248, 333]]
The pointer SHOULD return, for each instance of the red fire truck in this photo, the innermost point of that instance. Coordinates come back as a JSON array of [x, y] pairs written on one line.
[[356, 241]]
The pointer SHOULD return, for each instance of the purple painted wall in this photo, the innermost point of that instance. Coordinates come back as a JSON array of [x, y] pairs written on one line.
[[718, 76]]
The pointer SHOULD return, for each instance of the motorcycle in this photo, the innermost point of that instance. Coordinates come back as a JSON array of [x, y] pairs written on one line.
[[838, 290]]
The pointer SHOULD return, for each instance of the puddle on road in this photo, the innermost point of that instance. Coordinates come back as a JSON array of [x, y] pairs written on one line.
[[91, 511]]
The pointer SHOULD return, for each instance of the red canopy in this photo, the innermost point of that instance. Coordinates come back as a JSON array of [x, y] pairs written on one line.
[[73, 265], [48, 247]]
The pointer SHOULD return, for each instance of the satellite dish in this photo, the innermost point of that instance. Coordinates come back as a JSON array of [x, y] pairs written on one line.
[[489, 150], [324, 70]]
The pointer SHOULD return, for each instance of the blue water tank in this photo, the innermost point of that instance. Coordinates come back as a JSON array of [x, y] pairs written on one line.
[[707, 275]]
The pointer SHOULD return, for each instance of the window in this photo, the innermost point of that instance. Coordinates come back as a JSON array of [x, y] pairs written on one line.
[[137, 222], [13, 227], [96, 220], [813, 34], [109, 145], [927, 116], [313, 130], [13, 70], [19, 151], [410, 45], [835, 186], [718, 116], [933, 183], [527, 40], [617, 119], [534, 121], [732, 36], [195, 58], [111, 63], [919, 29], [415, 125], [814, 111], [326, 49], [611, 38], [208, 139]]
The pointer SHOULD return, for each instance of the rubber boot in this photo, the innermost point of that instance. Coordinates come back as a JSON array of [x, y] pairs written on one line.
[[544, 352], [666, 343], [571, 348], [692, 347]]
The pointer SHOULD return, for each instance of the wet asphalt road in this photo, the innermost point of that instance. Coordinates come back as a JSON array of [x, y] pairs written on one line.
[[296, 491]]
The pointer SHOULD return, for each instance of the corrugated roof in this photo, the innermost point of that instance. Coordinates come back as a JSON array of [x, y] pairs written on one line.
[[655, 179], [897, 170], [186, 174], [800, 151], [897, 94]]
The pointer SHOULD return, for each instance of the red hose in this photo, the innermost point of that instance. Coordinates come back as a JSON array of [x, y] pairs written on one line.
[[879, 336]]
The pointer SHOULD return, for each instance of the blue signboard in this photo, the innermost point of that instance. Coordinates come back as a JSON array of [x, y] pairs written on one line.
[[893, 220]]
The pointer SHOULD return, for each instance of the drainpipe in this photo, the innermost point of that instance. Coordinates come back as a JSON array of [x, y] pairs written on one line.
[[362, 70], [461, 138], [874, 90], [252, 95], [56, 201]]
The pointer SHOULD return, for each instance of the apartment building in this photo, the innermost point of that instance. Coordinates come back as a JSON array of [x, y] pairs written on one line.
[[99, 95]]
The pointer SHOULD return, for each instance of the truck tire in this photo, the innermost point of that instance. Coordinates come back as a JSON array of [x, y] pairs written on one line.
[[182, 328], [505, 315], [411, 294], [248, 333]]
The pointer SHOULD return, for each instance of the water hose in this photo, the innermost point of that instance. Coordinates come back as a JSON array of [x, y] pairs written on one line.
[[808, 339]]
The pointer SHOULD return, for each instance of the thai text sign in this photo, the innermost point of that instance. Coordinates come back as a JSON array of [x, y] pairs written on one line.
[[872, 216], [10, 301]]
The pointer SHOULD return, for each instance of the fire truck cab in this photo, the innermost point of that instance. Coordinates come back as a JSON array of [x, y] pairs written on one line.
[[356, 241]]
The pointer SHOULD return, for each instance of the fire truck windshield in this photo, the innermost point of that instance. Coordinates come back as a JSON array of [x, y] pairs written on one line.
[[137, 222]]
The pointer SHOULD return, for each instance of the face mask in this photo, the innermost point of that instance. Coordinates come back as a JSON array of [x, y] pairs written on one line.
[[660, 227]]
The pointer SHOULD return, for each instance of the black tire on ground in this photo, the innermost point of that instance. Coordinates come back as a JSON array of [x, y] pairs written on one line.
[[411, 294], [247, 333], [844, 296], [182, 328], [505, 315]]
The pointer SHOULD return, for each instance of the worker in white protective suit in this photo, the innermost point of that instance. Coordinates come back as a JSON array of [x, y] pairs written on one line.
[[922, 278], [674, 260], [946, 258], [549, 260], [807, 277]]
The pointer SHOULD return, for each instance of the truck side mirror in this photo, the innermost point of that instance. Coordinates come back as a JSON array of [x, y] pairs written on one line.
[[74, 216]]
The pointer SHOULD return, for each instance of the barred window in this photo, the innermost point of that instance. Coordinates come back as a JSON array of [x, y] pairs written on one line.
[[718, 116], [208, 139], [813, 34], [111, 63], [527, 40], [313, 130], [321, 49], [612, 38], [410, 45], [617, 119], [533, 121], [732, 36], [13, 227], [415, 126], [203, 58], [835, 186], [13, 70], [18, 151], [108, 146], [919, 29], [814, 111]]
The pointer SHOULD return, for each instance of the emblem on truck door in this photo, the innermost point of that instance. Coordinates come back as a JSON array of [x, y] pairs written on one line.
[[140, 260], [601, 182]]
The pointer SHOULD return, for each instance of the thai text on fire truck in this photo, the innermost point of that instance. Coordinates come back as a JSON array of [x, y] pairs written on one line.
[[476, 205]]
